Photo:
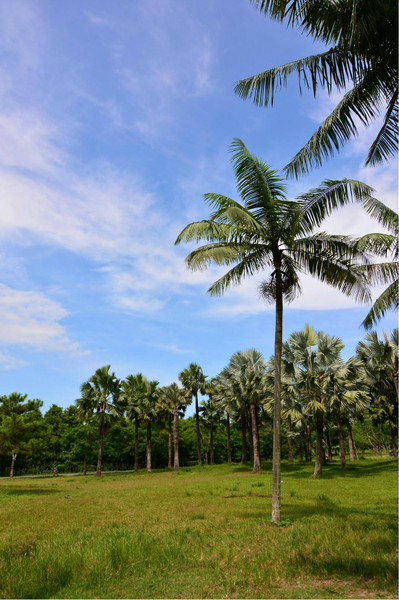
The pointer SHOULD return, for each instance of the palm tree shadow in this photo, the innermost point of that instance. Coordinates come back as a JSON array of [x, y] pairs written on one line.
[[27, 491]]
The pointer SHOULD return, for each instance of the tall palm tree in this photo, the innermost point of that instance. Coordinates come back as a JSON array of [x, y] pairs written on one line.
[[175, 399], [315, 358], [147, 409], [193, 380], [379, 361], [99, 403], [363, 54], [347, 396], [134, 388], [268, 231]]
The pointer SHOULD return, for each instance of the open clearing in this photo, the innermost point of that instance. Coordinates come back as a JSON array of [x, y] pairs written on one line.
[[202, 533]]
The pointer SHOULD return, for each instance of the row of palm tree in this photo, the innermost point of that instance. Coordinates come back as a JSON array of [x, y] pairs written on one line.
[[104, 398], [319, 392]]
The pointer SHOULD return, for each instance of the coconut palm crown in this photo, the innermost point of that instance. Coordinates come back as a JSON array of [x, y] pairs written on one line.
[[269, 232], [363, 56]]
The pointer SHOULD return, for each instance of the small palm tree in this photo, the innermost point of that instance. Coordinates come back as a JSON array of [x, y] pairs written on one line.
[[99, 403], [193, 380], [268, 231], [146, 407], [363, 54]]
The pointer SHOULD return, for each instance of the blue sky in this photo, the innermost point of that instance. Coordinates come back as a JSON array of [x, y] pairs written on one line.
[[116, 118]]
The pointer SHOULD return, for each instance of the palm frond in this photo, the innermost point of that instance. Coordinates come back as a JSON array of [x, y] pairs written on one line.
[[385, 145], [248, 266], [362, 101], [388, 300], [335, 67], [319, 202], [208, 230]]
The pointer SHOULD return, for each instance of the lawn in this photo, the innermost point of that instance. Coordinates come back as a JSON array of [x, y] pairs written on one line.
[[202, 533]]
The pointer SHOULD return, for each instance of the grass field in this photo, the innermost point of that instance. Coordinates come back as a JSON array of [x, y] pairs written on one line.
[[202, 533]]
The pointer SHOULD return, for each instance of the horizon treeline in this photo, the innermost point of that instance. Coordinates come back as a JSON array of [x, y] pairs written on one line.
[[330, 408]]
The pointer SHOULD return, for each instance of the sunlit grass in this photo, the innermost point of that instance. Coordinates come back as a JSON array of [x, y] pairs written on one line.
[[202, 533]]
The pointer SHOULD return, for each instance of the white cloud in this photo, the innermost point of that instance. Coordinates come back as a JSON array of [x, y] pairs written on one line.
[[8, 362], [32, 319]]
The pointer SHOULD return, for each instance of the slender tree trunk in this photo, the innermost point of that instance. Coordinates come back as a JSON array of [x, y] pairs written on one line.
[[211, 449], [197, 425], [100, 453], [352, 445], [243, 437], [257, 430], [394, 447], [13, 459], [289, 442], [136, 444], [206, 457], [376, 446], [228, 439], [308, 447], [300, 448], [341, 443], [85, 464], [319, 444], [170, 440], [328, 442], [176, 438], [255, 445], [278, 342], [148, 446], [250, 436]]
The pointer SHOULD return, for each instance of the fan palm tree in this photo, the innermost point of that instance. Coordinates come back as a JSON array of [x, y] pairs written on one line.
[[99, 403], [347, 397], [268, 231], [193, 380], [146, 408], [175, 399], [134, 388], [363, 55], [379, 361], [315, 359]]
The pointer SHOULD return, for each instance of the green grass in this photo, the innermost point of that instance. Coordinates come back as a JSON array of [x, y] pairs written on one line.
[[202, 533]]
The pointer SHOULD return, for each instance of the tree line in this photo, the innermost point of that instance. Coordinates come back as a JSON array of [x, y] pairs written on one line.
[[329, 407]]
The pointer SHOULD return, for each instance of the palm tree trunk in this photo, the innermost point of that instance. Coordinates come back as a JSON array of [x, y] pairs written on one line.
[[341, 443], [148, 446], [176, 438], [352, 445], [250, 436], [300, 448], [394, 447], [13, 459], [136, 444], [85, 464], [289, 442], [211, 449], [170, 440], [278, 343], [197, 425], [243, 437], [255, 444], [319, 444], [228, 439], [100, 453], [328, 442], [308, 446]]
